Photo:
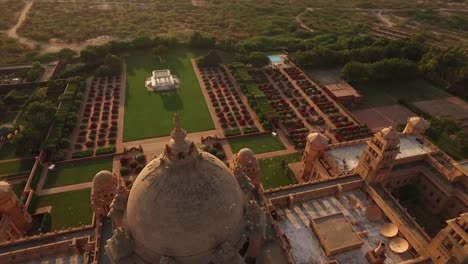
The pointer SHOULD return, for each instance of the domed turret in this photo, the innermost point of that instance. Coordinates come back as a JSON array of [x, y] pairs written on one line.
[[103, 191], [246, 161], [184, 205]]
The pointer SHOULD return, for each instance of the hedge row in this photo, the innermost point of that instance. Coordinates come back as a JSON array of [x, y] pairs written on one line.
[[105, 150], [256, 98], [250, 130], [232, 132], [82, 154]]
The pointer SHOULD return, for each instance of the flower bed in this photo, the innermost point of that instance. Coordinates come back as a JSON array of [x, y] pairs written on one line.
[[230, 110], [99, 119], [352, 133]]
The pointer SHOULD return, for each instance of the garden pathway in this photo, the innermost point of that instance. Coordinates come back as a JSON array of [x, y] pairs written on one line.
[[120, 124], [155, 146], [12, 32], [67, 188], [275, 153]]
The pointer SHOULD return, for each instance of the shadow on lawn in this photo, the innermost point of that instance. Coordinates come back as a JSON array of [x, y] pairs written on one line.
[[171, 101]]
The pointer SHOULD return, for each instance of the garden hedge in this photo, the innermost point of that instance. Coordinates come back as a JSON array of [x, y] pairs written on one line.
[[105, 150], [82, 154]]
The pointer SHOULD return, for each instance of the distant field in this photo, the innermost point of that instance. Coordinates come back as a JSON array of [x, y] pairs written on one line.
[[74, 173], [381, 94], [69, 209], [274, 174], [10, 10], [149, 115], [258, 144]]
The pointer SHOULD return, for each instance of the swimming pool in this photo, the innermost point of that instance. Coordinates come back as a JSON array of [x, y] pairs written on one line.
[[275, 58]]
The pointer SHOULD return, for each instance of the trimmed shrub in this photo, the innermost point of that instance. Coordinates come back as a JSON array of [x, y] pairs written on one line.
[[105, 150], [213, 151], [139, 168], [133, 164], [82, 154], [124, 171], [232, 132], [221, 155], [141, 158]]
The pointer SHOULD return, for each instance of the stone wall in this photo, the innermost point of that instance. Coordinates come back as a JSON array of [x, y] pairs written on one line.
[[314, 194], [72, 246]]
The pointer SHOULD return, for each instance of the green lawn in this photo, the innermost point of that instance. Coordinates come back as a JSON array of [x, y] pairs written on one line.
[[73, 173], [149, 114], [258, 144], [16, 167], [381, 94], [69, 209], [275, 174], [449, 147]]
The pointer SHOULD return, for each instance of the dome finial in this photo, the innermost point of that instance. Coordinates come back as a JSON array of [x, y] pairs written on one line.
[[178, 133], [177, 121]]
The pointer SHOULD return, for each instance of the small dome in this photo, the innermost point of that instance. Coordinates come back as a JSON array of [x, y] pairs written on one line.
[[317, 139], [389, 133], [5, 188], [104, 180], [247, 157], [419, 122]]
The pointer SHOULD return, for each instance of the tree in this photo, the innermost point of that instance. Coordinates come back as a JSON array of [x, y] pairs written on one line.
[[38, 117], [197, 40], [211, 59], [258, 59], [112, 66], [34, 72], [355, 72], [142, 42]]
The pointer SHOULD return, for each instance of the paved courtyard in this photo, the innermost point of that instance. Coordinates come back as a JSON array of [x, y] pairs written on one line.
[[305, 246], [377, 118]]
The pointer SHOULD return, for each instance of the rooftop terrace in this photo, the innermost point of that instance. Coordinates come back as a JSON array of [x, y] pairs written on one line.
[[306, 247], [347, 158]]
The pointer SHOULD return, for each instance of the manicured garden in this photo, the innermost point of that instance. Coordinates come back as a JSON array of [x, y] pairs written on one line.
[[150, 114], [258, 144], [232, 113], [76, 172], [16, 167], [275, 172], [99, 120], [69, 209]]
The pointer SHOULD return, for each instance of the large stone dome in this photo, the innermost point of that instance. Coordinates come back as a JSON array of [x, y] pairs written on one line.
[[184, 203]]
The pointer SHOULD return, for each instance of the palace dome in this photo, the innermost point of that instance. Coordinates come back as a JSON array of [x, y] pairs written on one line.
[[184, 203]]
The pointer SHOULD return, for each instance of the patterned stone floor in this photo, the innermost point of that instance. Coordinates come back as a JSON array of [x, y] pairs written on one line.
[[305, 246]]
